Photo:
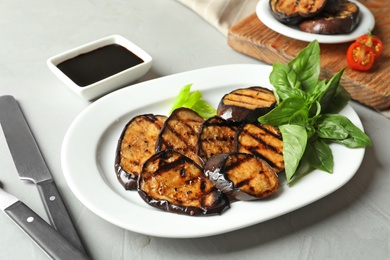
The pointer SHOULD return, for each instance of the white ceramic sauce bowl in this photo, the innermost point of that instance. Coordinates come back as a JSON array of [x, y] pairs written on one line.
[[107, 84]]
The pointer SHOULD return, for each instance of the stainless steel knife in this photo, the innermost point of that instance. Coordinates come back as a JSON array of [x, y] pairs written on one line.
[[31, 166], [45, 236]]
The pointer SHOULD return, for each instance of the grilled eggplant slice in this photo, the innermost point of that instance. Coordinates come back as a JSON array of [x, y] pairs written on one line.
[[180, 133], [216, 136], [294, 11], [172, 182], [242, 176], [343, 18], [136, 144], [246, 104], [263, 141], [332, 6]]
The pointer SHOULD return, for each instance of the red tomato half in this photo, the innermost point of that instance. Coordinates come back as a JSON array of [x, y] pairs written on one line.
[[360, 57], [373, 42]]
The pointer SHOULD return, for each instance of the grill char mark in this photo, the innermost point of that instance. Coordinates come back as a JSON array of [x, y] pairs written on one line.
[[135, 145], [180, 132], [173, 182], [242, 176], [263, 142], [246, 104], [217, 135]]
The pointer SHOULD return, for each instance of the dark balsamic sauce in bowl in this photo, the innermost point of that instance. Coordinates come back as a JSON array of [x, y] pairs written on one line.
[[91, 67]]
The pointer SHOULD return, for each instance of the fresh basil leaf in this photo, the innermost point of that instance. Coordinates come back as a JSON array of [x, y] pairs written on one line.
[[330, 129], [204, 109], [310, 130], [318, 92], [313, 103], [302, 101], [319, 155], [356, 138], [304, 169], [339, 101], [307, 66], [285, 81], [332, 86], [294, 145], [281, 114], [300, 117], [181, 97], [317, 108]]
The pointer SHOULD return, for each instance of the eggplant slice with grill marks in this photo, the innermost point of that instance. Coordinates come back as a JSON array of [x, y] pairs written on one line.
[[172, 182], [242, 176], [217, 135], [263, 141], [180, 133], [246, 104], [136, 144], [340, 18], [294, 11]]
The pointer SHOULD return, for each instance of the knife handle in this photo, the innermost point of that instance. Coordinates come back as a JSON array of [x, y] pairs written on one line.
[[55, 245], [58, 214]]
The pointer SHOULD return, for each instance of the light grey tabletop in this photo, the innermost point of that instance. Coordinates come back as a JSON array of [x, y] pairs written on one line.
[[351, 223]]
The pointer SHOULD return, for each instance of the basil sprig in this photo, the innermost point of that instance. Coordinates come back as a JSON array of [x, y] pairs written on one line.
[[307, 113]]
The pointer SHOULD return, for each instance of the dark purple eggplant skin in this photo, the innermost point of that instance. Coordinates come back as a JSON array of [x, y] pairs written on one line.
[[322, 25], [164, 205], [215, 170], [339, 20], [212, 169], [220, 204], [241, 114], [127, 180]]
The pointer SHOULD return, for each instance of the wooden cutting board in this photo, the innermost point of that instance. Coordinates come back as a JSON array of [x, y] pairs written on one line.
[[251, 37]]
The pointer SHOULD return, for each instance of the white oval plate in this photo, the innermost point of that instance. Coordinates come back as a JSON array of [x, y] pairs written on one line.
[[88, 155], [366, 24]]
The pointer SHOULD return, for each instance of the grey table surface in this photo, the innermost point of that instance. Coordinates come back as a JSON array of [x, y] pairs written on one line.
[[351, 223]]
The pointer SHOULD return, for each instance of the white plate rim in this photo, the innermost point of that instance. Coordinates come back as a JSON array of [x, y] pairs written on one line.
[[366, 24], [88, 173]]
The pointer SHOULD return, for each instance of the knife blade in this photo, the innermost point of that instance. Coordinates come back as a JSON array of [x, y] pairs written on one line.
[[31, 165], [44, 235]]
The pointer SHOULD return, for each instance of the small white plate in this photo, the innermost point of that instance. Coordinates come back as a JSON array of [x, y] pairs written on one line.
[[366, 24], [88, 157], [108, 84]]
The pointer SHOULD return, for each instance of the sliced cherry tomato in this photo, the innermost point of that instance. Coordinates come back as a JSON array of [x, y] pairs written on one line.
[[360, 57], [373, 42]]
